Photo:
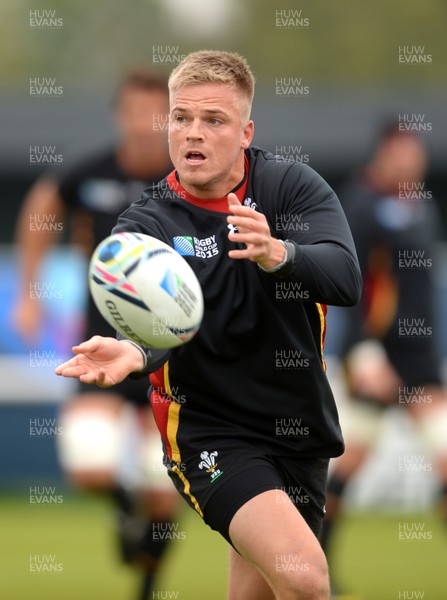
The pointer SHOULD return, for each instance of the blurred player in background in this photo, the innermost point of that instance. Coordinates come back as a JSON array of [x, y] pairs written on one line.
[[110, 442], [389, 352]]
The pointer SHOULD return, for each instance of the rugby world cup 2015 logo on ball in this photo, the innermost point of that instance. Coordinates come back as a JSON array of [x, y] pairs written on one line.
[[146, 290]]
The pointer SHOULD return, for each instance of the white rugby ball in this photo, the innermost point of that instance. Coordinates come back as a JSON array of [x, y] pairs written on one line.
[[145, 290]]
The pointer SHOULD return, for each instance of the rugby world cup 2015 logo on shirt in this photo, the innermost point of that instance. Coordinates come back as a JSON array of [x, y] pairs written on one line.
[[188, 245], [208, 463]]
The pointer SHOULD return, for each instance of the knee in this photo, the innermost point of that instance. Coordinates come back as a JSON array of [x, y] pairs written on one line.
[[314, 586], [306, 581]]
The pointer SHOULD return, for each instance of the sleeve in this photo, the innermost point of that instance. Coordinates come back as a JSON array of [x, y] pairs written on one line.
[[358, 206], [155, 358], [69, 188], [322, 252], [72, 180], [139, 218]]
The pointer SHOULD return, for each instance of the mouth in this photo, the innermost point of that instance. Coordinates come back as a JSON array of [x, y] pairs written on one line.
[[194, 157]]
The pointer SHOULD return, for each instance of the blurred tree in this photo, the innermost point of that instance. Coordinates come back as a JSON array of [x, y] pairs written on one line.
[[343, 42]]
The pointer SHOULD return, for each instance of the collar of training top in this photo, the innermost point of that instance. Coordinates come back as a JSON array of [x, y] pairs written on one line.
[[216, 204]]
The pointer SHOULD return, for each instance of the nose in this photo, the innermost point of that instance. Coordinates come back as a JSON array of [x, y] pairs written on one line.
[[195, 131]]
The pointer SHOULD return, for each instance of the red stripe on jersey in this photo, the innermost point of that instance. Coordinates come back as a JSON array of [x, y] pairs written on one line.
[[160, 402], [157, 380]]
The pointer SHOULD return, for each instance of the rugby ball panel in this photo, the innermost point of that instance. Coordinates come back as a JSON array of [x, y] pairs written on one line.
[[146, 290]]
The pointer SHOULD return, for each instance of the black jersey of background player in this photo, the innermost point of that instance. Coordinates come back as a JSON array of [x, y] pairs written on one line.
[[96, 193], [255, 369], [393, 237]]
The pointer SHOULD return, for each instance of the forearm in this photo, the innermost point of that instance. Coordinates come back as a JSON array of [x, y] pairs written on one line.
[[39, 217], [326, 271]]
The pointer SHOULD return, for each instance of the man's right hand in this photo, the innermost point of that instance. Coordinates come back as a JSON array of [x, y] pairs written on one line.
[[104, 361]]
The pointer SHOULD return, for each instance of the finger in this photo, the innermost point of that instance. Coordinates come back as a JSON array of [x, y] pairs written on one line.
[[99, 378], [72, 371], [69, 363], [256, 253], [233, 200], [247, 223], [240, 210], [90, 345], [241, 222], [239, 254], [89, 377], [253, 238]]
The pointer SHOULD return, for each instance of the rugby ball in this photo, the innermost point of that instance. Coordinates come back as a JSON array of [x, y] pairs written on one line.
[[145, 290]]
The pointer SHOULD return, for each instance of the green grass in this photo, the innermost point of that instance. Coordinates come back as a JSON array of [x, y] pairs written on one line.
[[367, 556], [80, 535]]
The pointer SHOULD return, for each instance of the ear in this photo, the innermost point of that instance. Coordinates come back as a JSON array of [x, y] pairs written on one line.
[[247, 134]]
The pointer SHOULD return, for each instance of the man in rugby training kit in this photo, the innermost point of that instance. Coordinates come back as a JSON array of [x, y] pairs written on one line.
[[93, 194], [245, 411]]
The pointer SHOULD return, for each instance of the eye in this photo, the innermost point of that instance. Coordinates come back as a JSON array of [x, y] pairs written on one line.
[[215, 122], [179, 119]]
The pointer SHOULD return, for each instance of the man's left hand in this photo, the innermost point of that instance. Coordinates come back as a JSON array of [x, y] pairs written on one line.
[[253, 231]]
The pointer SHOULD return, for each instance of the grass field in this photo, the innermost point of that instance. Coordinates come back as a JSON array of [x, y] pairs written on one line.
[[77, 537]]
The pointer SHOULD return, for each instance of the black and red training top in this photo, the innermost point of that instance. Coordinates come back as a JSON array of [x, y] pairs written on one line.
[[255, 370]]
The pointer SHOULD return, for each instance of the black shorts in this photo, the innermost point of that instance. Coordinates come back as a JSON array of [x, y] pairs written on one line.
[[134, 391], [219, 480]]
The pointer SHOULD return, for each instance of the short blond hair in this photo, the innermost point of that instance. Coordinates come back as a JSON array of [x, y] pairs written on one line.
[[215, 66]]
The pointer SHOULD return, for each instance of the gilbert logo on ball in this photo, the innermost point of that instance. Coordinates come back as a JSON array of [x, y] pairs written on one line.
[[145, 290]]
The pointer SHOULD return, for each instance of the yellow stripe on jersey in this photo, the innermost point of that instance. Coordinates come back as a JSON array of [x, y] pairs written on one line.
[[173, 417], [167, 383], [172, 429], [187, 489], [322, 326]]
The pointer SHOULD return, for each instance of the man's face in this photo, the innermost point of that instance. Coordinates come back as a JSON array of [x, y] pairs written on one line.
[[142, 115], [208, 134], [401, 159]]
